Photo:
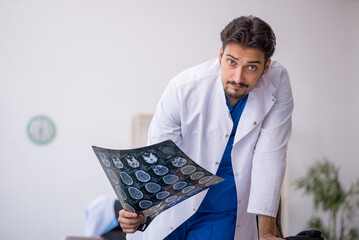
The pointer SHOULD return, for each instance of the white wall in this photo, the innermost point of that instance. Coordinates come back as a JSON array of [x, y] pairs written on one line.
[[92, 65]]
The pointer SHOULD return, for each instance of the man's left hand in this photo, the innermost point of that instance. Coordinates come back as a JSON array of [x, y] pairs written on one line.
[[270, 237], [267, 228]]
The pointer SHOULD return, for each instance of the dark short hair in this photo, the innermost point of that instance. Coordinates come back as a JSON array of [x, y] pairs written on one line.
[[250, 31]]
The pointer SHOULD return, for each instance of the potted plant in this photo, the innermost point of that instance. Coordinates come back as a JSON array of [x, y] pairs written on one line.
[[322, 183]]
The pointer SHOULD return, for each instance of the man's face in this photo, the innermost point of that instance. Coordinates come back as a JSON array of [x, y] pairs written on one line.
[[241, 70]]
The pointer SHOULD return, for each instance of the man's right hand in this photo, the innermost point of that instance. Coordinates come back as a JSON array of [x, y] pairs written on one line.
[[130, 221]]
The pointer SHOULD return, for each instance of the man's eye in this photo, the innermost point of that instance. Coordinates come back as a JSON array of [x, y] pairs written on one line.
[[231, 62], [252, 67]]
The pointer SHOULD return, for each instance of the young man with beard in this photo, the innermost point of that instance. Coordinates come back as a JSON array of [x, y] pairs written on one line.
[[232, 115]]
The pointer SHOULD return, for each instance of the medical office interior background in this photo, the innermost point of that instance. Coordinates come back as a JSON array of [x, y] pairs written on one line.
[[92, 65]]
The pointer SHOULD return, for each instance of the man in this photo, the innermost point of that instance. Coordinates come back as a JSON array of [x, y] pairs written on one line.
[[231, 115]]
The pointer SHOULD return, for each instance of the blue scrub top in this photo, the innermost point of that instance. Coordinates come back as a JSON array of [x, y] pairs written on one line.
[[223, 196], [220, 200]]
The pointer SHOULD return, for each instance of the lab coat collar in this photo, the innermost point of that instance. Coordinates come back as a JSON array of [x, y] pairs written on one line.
[[260, 101]]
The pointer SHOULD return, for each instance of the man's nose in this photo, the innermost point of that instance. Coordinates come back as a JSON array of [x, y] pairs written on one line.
[[238, 75]]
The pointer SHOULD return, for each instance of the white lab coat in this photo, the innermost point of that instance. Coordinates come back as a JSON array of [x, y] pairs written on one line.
[[193, 113]]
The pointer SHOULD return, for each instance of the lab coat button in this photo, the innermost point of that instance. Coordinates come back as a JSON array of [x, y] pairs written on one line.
[[172, 228], [217, 163], [273, 100], [194, 209], [227, 135], [254, 123], [237, 225]]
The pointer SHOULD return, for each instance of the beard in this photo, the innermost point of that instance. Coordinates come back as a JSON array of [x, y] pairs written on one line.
[[237, 95]]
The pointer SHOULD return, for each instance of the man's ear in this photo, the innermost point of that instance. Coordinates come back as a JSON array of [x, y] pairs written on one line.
[[266, 67], [220, 55]]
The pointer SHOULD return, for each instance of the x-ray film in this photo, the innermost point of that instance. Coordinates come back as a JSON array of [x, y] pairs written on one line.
[[151, 179]]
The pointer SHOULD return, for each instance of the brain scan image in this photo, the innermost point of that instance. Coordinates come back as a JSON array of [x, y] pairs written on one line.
[[171, 199], [188, 189], [151, 179], [113, 176], [152, 187], [126, 178], [129, 208], [145, 204], [189, 169], [179, 185], [149, 158], [205, 180], [178, 161], [162, 195], [170, 179], [104, 159], [121, 193], [179, 198], [116, 160], [142, 176], [169, 151], [197, 175], [135, 193], [133, 162], [155, 208], [160, 170]]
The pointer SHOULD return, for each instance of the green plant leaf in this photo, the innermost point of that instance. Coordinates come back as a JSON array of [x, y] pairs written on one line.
[[353, 234], [317, 223], [322, 182]]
